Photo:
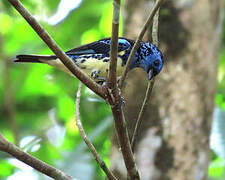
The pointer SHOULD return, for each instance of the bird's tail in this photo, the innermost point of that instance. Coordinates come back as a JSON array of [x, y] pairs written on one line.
[[34, 58]]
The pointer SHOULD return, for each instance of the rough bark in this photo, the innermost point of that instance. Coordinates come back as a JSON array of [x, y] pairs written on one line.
[[173, 141]]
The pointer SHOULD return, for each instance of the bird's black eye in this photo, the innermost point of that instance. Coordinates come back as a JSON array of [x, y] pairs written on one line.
[[156, 62]]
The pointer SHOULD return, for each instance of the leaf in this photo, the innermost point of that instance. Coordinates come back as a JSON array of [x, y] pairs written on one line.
[[217, 169], [6, 168]]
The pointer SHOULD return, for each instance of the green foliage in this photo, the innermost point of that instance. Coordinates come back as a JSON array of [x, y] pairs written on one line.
[[217, 169], [44, 98], [6, 169], [217, 166], [217, 142], [220, 97]]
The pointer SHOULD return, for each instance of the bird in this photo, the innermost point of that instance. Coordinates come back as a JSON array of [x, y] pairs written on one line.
[[93, 58]]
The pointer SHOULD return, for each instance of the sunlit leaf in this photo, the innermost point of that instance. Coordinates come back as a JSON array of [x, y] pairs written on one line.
[[90, 36], [105, 24], [5, 23], [71, 127], [65, 107], [217, 168], [8, 135], [6, 168]]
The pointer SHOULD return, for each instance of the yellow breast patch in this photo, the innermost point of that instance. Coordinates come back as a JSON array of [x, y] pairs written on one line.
[[100, 66], [89, 66]]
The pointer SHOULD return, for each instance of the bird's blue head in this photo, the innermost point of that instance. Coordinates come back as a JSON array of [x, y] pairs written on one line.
[[149, 58]]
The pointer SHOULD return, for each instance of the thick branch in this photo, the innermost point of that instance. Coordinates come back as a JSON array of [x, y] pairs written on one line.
[[137, 43], [86, 140], [123, 137], [32, 161], [55, 48]]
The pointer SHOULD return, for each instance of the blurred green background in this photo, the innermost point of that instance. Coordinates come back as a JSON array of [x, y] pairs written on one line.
[[37, 101]]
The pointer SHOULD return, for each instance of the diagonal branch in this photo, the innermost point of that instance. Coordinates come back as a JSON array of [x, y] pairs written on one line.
[[150, 83], [140, 115], [138, 41], [86, 140], [37, 164], [55, 48]]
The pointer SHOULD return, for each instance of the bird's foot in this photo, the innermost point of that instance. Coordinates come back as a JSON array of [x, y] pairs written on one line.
[[111, 99]]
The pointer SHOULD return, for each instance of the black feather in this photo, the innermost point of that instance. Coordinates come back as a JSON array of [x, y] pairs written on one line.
[[101, 46], [33, 58], [98, 47]]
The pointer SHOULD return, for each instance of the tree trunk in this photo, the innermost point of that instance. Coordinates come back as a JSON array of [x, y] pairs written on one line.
[[173, 140]]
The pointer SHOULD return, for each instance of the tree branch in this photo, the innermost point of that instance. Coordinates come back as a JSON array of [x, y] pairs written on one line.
[[140, 115], [137, 43], [121, 128], [150, 83], [115, 100], [86, 140], [32, 161], [55, 48], [112, 78], [155, 27]]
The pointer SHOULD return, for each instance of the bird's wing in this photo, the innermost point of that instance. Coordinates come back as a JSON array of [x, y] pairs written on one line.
[[100, 47]]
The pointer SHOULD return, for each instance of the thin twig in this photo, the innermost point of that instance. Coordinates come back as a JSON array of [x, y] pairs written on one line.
[[86, 140], [55, 48], [150, 83], [32, 161], [138, 41], [143, 107]]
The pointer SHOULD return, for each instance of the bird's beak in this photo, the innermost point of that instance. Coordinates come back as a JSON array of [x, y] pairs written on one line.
[[150, 74]]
